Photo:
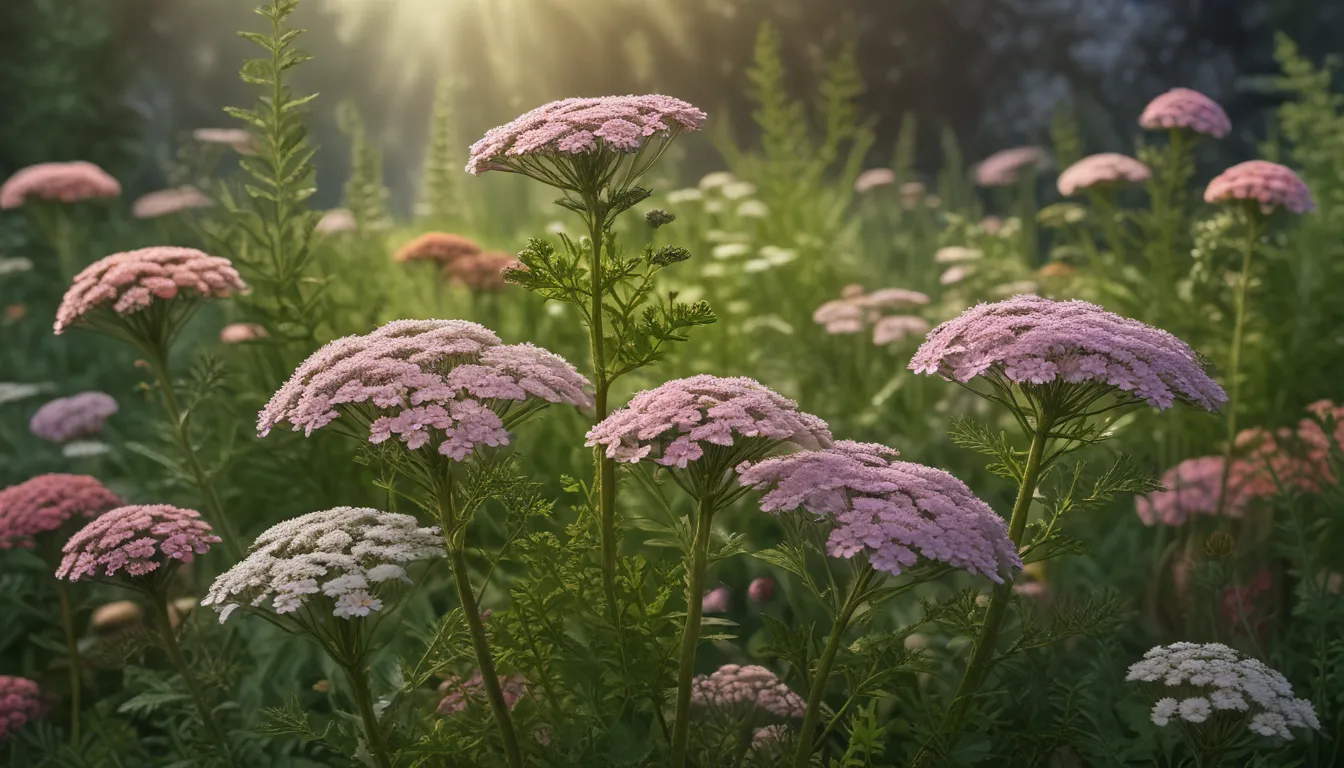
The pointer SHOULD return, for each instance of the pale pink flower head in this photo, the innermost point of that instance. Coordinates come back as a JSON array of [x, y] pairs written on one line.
[[855, 310], [67, 418], [135, 540], [621, 124], [169, 201], [58, 182], [840, 316], [955, 274], [897, 328], [20, 701], [458, 694], [1192, 488], [123, 284], [46, 503], [717, 600], [441, 248], [450, 385], [482, 272], [237, 139], [1005, 167], [1186, 109], [241, 333], [891, 298], [1271, 185], [335, 221], [769, 738], [734, 691], [682, 421], [761, 590], [873, 178], [1108, 169], [1028, 340], [895, 512]]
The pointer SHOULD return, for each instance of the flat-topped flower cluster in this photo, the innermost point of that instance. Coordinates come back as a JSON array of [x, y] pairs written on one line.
[[736, 691], [136, 539]]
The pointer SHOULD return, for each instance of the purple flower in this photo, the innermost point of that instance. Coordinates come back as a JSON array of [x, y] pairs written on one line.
[[1005, 167], [1182, 108], [20, 701], [734, 691], [1109, 169], [66, 418], [582, 125], [1029, 340], [1270, 184], [46, 502], [129, 538], [676, 423], [893, 511]]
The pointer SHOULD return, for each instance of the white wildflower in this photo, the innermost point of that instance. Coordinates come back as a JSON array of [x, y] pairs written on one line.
[[678, 196], [1163, 710], [83, 449], [753, 209], [717, 179], [386, 572], [956, 254], [1195, 709], [777, 256], [738, 190], [9, 266], [730, 250], [356, 604]]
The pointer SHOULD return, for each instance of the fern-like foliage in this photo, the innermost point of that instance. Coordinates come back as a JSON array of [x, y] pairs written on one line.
[[366, 196], [441, 191]]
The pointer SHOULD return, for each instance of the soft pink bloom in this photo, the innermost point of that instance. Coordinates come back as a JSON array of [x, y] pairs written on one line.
[[716, 600], [334, 221], [893, 511], [675, 424], [1108, 169], [137, 539], [957, 254], [840, 316], [1186, 109], [1005, 167], [458, 694], [1192, 488], [855, 310], [482, 272], [734, 691], [955, 274], [20, 701], [991, 225], [66, 418], [166, 201], [897, 328], [237, 139], [1034, 590], [1030, 340], [58, 182], [125, 283], [891, 298], [442, 248], [873, 178], [580, 125], [769, 737], [1270, 184], [912, 192], [46, 502], [761, 590], [239, 333]]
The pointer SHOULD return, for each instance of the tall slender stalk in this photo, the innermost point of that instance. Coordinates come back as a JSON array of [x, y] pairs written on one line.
[[363, 695], [983, 655], [72, 654], [1234, 363], [690, 634], [169, 635], [604, 469], [811, 717]]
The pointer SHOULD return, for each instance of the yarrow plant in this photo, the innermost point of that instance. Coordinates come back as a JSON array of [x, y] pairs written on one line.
[[1219, 699], [322, 572], [737, 699], [69, 418], [165, 202], [47, 190], [20, 702], [441, 248], [1183, 109], [1109, 169]]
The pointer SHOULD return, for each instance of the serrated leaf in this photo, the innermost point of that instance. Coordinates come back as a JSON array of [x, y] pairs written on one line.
[[147, 702]]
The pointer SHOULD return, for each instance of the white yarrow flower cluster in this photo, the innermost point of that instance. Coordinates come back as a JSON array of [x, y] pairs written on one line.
[[1213, 679], [346, 555]]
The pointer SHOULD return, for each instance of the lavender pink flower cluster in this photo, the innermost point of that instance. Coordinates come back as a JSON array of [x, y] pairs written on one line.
[[1029, 340], [1005, 167], [59, 182], [445, 383], [579, 125], [165, 202], [458, 694], [132, 539], [1182, 108], [45, 503], [129, 282], [894, 511], [856, 309], [1272, 185], [20, 701], [1108, 169], [674, 424], [66, 418], [735, 691]]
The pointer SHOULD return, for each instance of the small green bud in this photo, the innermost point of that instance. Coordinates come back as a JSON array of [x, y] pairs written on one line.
[[669, 254], [658, 217], [1219, 545]]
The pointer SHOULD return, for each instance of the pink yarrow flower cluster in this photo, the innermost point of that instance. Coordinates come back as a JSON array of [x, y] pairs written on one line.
[[894, 511], [46, 503], [1271, 185], [136, 539], [1192, 488], [1183, 108], [442, 248], [580, 125], [873, 178], [458, 694], [1005, 167], [237, 139], [1109, 169], [128, 282], [675, 423], [735, 690], [448, 384], [241, 333], [66, 418], [20, 701], [1028, 340], [58, 182], [855, 310], [482, 272], [169, 201]]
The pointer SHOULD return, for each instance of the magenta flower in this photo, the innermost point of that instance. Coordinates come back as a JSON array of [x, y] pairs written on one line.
[[735, 691], [676, 423], [1270, 184], [169, 201], [458, 694], [58, 182], [1108, 169], [895, 512], [1028, 340], [897, 328], [448, 384], [761, 590], [1005, 167], [578, 126], [873, 178], [137, 539], [67, 418], [240, 333], [1182, 108], [20, 701], [126, 283], [717, 600], [45, 503]]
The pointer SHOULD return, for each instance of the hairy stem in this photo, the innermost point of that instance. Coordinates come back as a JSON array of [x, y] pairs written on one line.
[[812, 716], [1234, 363], [170, 644], [72, 654], [690, 635], [373, 734]]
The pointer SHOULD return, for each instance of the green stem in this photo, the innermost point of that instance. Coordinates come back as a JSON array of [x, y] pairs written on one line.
[[803, 757], [983, 656], [72, 652], [373, 734], [604, 469], [170, 644], [690, 635], [1234, 367]]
